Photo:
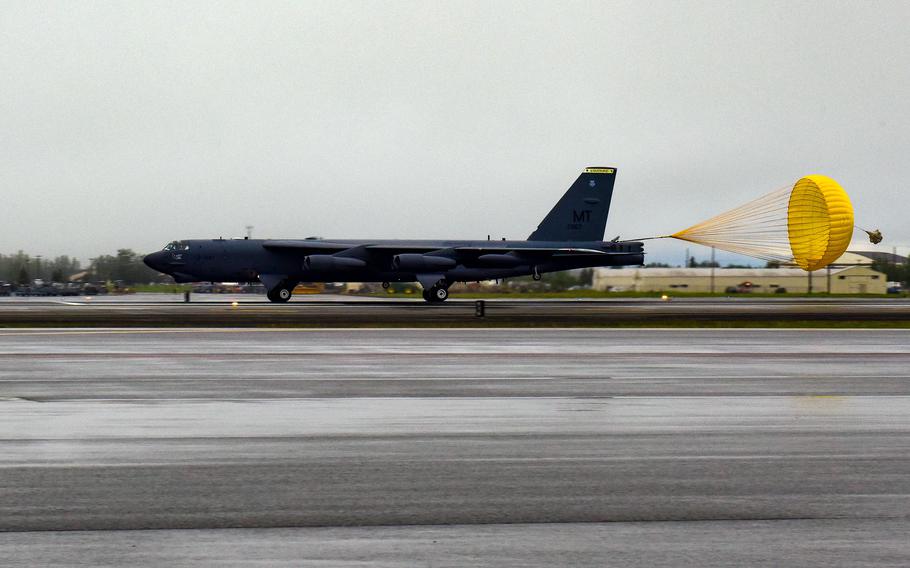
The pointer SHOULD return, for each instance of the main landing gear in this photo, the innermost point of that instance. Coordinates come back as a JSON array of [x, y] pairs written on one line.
[[437, 293], [281, 293]]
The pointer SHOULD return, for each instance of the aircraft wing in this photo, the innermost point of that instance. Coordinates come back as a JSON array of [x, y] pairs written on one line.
[[539, 251], [324, 247], [468, 253], [533, 251], [305, 246], [392, 249]]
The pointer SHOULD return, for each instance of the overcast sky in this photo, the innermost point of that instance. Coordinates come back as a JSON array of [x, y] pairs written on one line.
[[129, 124]]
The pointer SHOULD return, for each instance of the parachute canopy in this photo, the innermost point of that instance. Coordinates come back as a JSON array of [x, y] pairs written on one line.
[[809, 224]]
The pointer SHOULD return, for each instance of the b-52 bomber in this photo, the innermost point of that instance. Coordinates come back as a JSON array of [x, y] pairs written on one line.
[[570, 236]]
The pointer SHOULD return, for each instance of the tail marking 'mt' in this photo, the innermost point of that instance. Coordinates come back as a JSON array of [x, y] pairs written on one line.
[[581, 214]]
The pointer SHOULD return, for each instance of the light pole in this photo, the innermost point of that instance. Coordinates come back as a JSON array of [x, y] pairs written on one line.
[[712, 269]]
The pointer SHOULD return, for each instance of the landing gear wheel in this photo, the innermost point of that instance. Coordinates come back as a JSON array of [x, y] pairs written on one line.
[[385, 285], [536, 274], [281, 294], [436, 294]]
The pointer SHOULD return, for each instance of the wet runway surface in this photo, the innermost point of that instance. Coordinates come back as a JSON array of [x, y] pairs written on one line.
[[248, 310], [435, 447]]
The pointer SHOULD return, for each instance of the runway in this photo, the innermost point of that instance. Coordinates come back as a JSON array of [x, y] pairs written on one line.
[[477, 446], [162, 310]]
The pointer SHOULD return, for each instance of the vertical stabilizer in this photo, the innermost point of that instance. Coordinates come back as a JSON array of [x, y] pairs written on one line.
[[581, 214]]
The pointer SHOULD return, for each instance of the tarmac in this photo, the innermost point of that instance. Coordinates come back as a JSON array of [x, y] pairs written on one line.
[[208, 310], [484, 447]]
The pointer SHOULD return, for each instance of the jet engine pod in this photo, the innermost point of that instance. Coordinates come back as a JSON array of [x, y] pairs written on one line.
[[327, 262], [422, 262], [499, 260]]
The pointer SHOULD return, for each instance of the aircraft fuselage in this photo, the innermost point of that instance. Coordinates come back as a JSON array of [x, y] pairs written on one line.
[[568, 237], [243, 260]]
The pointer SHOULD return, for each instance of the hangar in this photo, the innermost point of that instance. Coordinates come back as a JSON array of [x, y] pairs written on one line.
[[846, 280]]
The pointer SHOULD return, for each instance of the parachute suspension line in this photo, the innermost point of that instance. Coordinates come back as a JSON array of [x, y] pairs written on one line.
[[757, 228], [809, 223], [652, 238]]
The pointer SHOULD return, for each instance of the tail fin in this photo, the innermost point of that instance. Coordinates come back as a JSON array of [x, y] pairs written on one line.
[[581, 214]]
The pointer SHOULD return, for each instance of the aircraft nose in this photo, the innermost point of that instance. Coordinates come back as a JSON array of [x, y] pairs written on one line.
[[155, 260]]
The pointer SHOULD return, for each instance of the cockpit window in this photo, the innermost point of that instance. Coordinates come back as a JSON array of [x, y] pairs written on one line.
[[177, 246]]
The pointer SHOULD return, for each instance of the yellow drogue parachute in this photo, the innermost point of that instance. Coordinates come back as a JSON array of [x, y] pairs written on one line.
[[809, 224]]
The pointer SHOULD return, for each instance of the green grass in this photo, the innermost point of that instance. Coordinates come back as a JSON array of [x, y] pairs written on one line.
[[567, 294], [594, 294], [496, 323], [161, 288]]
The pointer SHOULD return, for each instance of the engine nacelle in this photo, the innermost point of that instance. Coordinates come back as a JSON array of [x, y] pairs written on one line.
[[328, 263], [422, 262], [499, 260]]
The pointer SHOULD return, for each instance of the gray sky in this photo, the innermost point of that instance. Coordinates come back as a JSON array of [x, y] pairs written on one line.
[[128, 124]]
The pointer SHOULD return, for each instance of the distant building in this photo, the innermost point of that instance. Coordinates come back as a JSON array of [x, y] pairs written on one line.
[[851, 258], [847, 280], [868, 256]]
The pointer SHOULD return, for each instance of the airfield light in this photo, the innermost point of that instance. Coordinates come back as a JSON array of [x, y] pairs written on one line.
[[234, 304], [665, 298]]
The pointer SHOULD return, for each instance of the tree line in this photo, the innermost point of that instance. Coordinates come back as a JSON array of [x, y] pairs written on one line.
[[125, 265], [897, 272]]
